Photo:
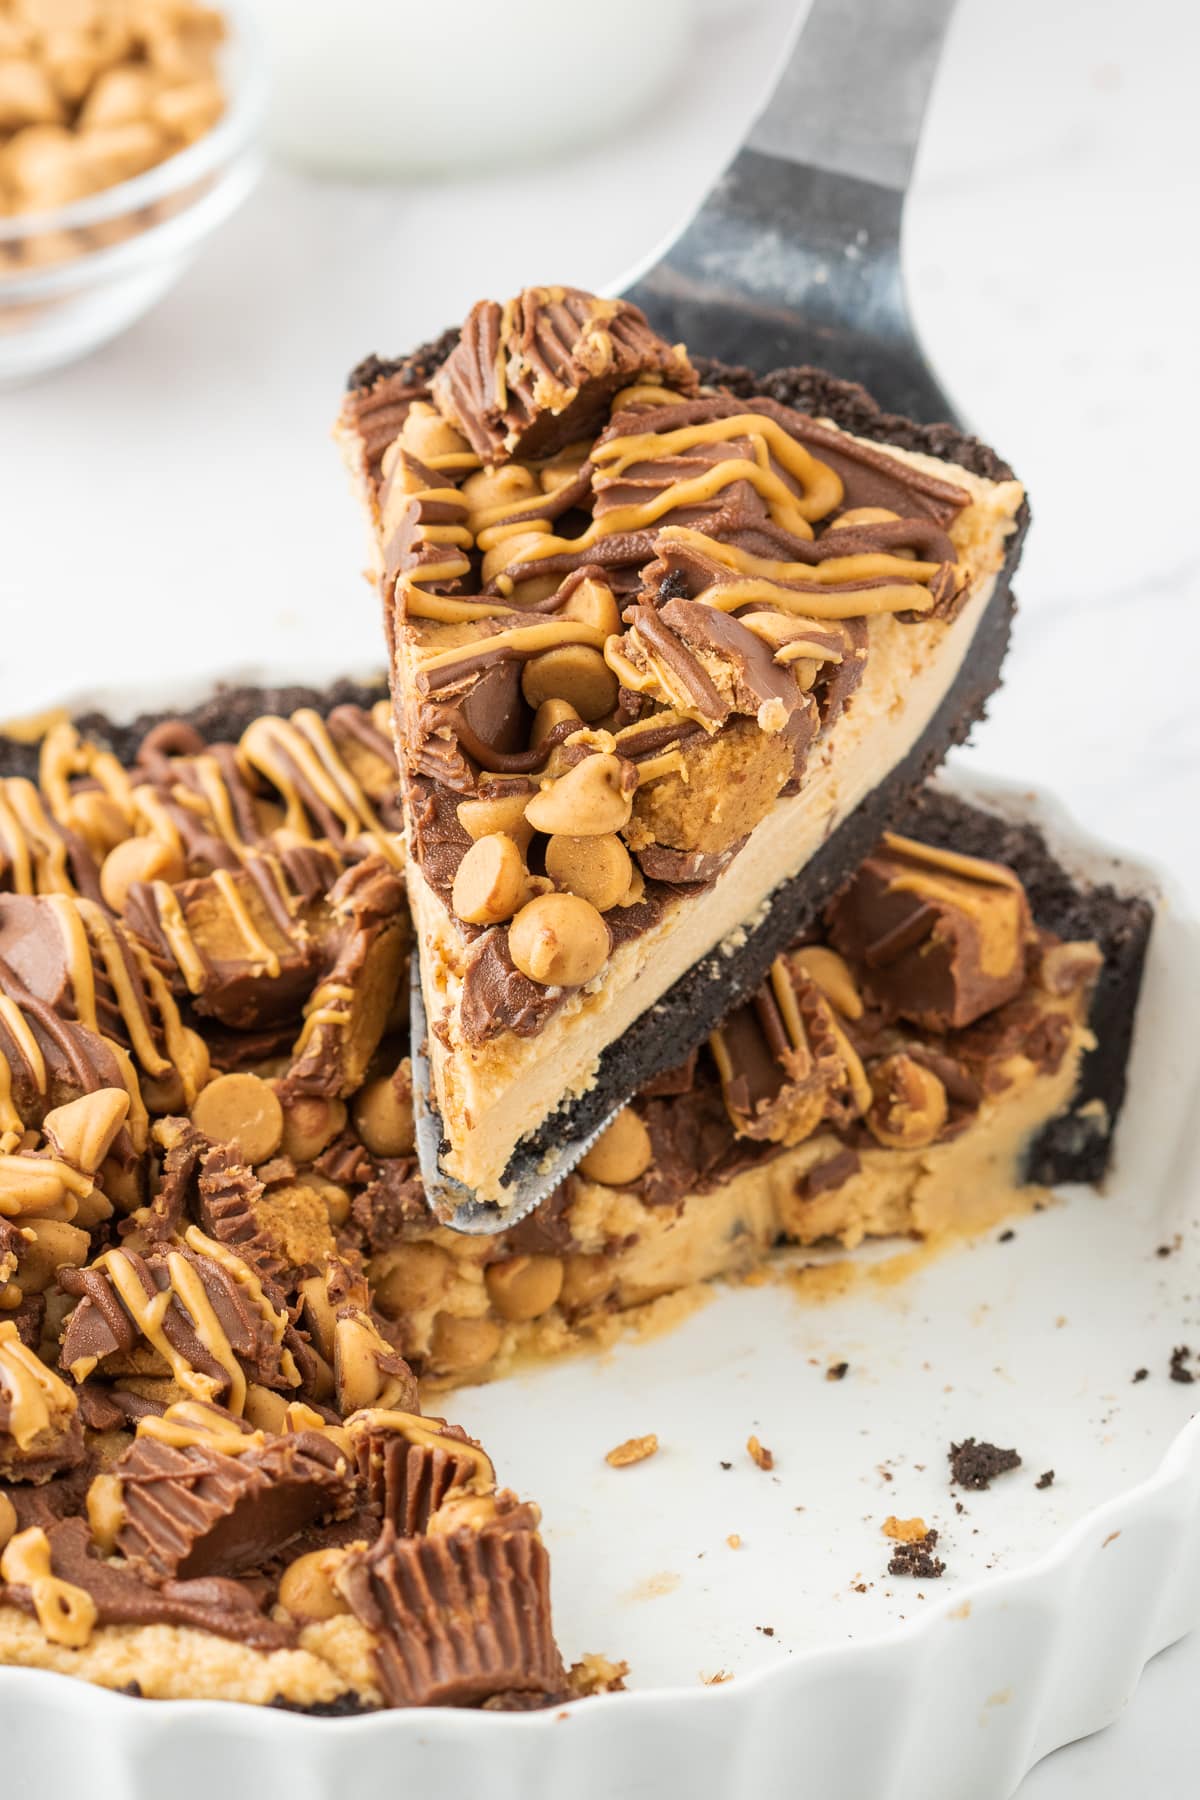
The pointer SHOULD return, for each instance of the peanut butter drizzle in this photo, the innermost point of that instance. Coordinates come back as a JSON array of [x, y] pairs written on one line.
[[322, 1009], [40, 1187], [521, 640], [148, 1312], [216, 792], [38, 853], [276, 747], [85, 927], [261, 957], [64, 754], [252, 1288], [18, 1029], [190, 1290], [11, 1123], [175, 929], [425, 1432], [38, 1398], [66, 1613], [149, 810], [191, 1425]]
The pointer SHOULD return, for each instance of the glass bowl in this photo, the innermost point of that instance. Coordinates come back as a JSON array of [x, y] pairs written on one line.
[[73, 278]]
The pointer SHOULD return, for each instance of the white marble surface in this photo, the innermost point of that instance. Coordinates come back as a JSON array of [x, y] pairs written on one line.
[[174, 505]]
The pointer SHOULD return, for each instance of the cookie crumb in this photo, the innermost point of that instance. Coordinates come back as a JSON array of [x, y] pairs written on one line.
[[1046, 1479], [767, 1630], [722, 1675], [976, 1465], [1140, 1374], [905, 1531], [633, 1450], [734, 1541], [1179, 1357], [1006, 1237], [917, 1559], [759, 1453], [726, 1465], [837, 1371]]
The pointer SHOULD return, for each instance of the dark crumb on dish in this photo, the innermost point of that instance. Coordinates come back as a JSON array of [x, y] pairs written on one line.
[[837, 1371], [974, 1465], [860, 1587], [759, 1454], [1140, 1374], [959, 1507], [917, 1559], [1179, 1357], [726, 1465], [1045, 1480], [1164, 1250], [767, 1630], [1006, 1237]]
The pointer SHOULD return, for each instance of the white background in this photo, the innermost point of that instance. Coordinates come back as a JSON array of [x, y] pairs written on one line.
[[174, 505]]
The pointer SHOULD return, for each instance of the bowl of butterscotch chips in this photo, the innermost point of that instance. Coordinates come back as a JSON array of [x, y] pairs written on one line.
[[127, 136]]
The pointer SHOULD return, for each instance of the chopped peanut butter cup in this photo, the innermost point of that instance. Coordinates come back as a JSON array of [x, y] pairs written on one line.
[[457, 1619]]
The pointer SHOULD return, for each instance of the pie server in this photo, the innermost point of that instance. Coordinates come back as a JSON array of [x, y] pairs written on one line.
[[793, 258]]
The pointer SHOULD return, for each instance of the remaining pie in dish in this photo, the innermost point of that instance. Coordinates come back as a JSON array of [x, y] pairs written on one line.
[[221, 1290], [670, 646]]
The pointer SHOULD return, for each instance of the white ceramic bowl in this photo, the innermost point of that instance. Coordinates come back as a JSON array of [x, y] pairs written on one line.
[[1053, 1600], [74, 278]]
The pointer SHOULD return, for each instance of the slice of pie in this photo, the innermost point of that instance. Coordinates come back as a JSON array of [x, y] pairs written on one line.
[[669, 647]]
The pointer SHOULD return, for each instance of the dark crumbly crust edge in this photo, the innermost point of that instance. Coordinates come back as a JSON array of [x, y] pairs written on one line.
[[714, 986], [220, 718], [1076, 1145]]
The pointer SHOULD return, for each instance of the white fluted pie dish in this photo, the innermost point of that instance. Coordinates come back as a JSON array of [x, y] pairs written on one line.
[[840, 1681]]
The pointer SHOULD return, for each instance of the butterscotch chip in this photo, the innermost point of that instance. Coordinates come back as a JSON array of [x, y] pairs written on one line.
[[458, 1344], [310, 1122], [621, 1154], [82, 1131], [591, 798], [118, 97], [573, 672], [306, 1587], [497, 813], [410, 1278], [241, 1110], [524, 1287], [599, 869], [492, 881], [383, 1115], [559, 941], [95, 815], [593, 603], [51, 1245], [586, 1280], [138, 859], [633, 1450], [759, 1453], [8, 1519], [549, 714]]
